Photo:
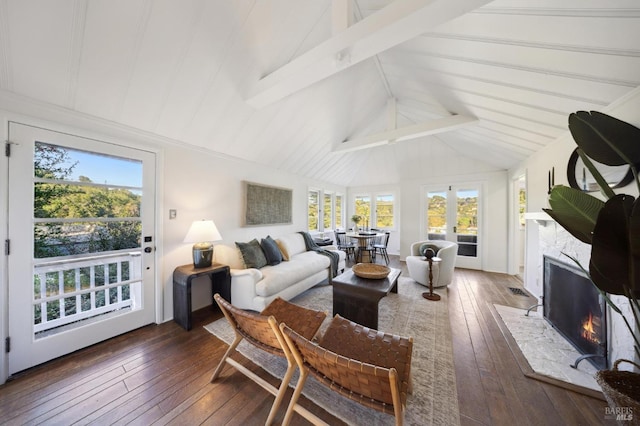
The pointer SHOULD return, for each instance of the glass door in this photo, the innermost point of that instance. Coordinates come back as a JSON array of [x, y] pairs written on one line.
[[452, 214], [81, 226]]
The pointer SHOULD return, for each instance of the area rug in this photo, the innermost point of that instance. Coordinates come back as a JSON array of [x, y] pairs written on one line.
[[434, 400]]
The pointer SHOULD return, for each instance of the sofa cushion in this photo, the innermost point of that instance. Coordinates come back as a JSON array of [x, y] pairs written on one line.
[[283, 250], [301, 266], [228, 255], [292, 244], [271, 250], [252, 254]]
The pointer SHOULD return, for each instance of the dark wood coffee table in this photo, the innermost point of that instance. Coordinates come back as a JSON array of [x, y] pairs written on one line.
[[357, 298]]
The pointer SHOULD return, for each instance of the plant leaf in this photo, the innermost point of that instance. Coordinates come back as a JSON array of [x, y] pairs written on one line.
[[634, 244], [575, 211], [611, 262], [605, 139]]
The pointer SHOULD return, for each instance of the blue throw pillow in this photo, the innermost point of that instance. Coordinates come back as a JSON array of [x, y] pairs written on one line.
[[271, 250], [252, 254]]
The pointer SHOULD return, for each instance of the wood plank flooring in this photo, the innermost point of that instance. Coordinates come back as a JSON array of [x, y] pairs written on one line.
[[159, 374]]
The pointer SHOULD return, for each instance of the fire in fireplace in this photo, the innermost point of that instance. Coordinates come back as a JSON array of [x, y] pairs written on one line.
[[574, 307]]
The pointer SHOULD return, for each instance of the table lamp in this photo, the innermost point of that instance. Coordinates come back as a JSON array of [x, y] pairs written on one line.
[[202, 233]]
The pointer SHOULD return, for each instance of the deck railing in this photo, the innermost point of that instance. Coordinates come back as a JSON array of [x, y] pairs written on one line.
[[68, 291]]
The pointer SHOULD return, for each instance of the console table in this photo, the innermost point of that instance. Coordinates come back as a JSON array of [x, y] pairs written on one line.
[[183, 276]]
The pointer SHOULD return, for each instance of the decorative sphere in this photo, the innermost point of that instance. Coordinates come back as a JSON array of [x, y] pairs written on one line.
[[426, 247]]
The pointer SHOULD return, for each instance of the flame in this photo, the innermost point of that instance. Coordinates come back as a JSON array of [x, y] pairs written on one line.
[[590, 328]]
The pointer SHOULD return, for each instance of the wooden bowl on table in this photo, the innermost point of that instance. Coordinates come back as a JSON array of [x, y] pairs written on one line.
[[371, 271]]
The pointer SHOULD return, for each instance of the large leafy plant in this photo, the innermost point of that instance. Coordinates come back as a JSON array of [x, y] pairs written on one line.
[[611, 227]]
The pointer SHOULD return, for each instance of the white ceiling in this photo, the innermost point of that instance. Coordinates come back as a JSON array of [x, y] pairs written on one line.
[[185, 70]]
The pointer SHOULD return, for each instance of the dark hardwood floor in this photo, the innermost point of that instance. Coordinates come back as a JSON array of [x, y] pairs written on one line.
[[159, 374]]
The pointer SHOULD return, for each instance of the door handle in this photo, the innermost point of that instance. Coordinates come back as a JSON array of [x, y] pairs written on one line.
[[148, 249]]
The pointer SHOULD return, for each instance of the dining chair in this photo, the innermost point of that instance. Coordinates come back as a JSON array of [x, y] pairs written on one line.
[[380, 247], [345, 244]]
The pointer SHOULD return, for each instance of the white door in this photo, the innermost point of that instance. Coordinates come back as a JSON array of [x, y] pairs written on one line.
[[81, 229], [452, 214]]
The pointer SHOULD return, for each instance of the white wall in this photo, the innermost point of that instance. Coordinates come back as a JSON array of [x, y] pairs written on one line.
[[201, 185], [556, 155]]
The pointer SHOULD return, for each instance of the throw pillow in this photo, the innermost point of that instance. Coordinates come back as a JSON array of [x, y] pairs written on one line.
[[252, 254], [271, 250], [283, 250]]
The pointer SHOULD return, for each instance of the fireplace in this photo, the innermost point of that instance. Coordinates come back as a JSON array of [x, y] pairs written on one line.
[[575, 308]]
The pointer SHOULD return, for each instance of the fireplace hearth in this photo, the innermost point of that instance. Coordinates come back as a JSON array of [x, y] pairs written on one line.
[[575, 308]]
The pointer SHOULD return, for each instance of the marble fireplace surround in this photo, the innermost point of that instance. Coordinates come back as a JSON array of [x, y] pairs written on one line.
[[553, 241]]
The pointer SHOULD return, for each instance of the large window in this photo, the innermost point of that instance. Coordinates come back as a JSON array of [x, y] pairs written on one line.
[[384, 211], [363, 210], [325, 210], [375, 210], [313, 204], [328, 211], [338, 212]]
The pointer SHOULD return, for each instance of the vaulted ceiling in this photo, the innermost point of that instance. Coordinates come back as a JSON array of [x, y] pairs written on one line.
[[286, 82]]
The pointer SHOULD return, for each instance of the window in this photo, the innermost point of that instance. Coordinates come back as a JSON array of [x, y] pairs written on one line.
[[375, 210], [384, 211], [338, 212], [363, 209], [314, 210], [324, 210], [328, 210]]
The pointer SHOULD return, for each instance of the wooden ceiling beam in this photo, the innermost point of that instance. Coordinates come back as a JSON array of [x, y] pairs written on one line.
[[406, 133], [398, 22]]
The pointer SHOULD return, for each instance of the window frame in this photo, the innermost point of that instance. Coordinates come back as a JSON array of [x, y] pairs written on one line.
[[322, 193], [318, 209], [373, 198]]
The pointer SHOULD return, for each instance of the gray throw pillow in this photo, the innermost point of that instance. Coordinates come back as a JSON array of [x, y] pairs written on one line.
[[271, 250], [252, 254]]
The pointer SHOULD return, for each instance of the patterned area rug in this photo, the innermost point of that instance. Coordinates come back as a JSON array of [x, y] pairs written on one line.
[[434, 400]]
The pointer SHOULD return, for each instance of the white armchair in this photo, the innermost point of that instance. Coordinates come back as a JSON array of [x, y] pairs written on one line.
[[442, 271]]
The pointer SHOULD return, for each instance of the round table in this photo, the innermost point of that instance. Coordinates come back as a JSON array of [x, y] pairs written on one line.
[[363, 242]]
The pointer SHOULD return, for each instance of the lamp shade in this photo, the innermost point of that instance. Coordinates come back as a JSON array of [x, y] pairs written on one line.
[[201, 231]]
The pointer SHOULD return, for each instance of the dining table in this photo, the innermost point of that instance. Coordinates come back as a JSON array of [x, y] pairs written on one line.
[[364, 239]]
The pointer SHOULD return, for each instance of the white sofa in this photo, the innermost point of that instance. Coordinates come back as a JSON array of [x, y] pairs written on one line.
[[255, 288], [442, 271]]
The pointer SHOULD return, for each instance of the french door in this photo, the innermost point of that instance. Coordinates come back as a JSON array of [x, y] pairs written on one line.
[[81, 231], [452, 213]]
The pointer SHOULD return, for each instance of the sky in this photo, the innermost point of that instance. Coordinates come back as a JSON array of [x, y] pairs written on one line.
[[105, 169]]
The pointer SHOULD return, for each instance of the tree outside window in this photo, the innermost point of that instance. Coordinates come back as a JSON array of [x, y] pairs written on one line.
[[338, 211], [384, 211], [314, 210], [328, 210], [363, 208]]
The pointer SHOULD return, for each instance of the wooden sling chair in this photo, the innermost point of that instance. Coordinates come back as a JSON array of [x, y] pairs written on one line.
[[368, 366], [262, 331]]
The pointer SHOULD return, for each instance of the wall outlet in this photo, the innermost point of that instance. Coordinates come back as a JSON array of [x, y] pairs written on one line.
[[173, 213]]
